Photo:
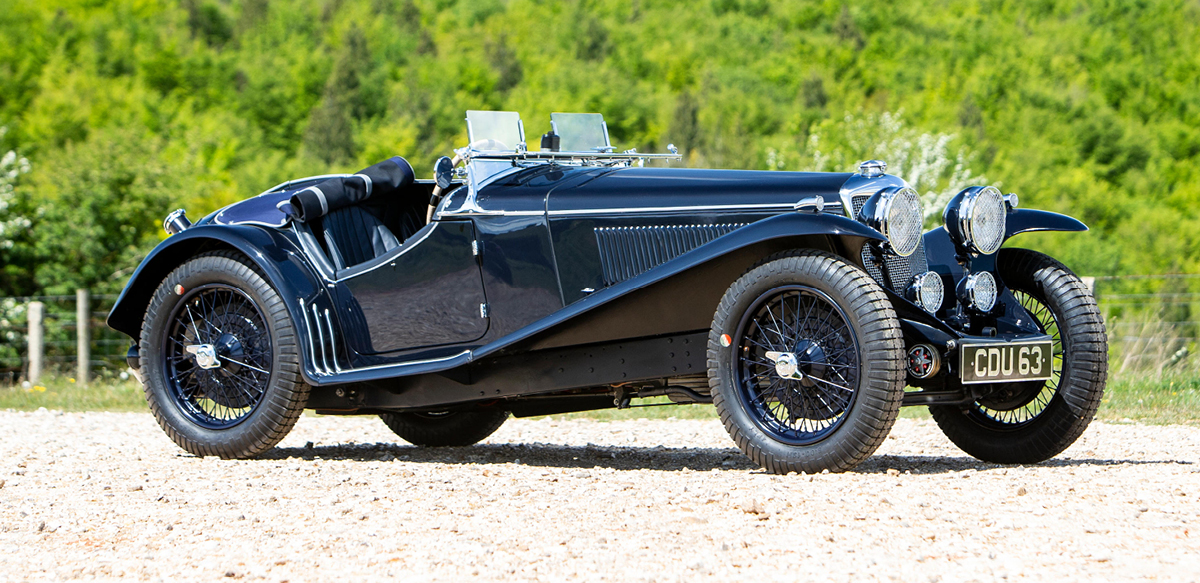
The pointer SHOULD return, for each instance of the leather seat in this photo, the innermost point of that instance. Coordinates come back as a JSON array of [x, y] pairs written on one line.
[[353, 235]]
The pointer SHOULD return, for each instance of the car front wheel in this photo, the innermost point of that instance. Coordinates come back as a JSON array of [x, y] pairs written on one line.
[[1025, 423], [805, 362]]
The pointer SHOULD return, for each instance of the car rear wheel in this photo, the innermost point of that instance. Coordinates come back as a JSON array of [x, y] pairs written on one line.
[[445, 428], [1026, 423], [806, 363], [219, 359]]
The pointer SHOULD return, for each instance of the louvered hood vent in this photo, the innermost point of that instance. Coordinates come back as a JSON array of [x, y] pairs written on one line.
[[628, 251]]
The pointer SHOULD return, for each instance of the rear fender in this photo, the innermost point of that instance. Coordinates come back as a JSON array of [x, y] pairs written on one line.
[[276, 257]]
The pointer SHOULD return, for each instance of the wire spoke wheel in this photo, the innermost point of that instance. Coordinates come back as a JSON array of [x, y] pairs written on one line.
[[220, 359], [218, 356], [806, 363], [1030, 422], [797, 366], [1032, 401]]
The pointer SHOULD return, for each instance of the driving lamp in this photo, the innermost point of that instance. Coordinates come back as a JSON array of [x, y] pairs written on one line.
[[978, 291]]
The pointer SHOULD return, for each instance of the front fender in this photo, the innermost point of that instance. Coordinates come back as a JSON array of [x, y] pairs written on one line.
[[1027, 220], [277, 258]]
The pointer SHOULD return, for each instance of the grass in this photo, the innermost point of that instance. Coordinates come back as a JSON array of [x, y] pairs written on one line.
[[64, 394], [1168, 398]]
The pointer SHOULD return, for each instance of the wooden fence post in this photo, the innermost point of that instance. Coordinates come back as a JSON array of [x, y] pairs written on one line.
[[83, 353], [36, 342]]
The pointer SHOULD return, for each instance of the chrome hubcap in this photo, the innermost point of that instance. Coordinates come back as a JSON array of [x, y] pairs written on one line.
[[206, 355], [787, 366]]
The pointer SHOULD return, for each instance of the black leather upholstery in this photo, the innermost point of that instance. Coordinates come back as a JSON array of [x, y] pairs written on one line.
[[353, 235]]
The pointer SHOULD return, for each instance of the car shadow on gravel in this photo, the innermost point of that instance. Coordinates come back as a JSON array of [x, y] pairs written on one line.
[[537, 454], [638, 458], [928, 464]]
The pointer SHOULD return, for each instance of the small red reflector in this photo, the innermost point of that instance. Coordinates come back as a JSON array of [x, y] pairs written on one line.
[[179, 289], [726, 340]]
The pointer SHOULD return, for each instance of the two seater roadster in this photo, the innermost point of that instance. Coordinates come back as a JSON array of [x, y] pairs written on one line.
[[806, 307]]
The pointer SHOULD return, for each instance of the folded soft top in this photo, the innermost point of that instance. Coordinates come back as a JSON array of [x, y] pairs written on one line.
[[381, 179]]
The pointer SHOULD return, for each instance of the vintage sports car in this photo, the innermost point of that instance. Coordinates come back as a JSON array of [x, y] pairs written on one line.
[[807, 307]]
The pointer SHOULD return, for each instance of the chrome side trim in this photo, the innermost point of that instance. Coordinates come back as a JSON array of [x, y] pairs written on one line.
[[332, 343], [308, 329], [482, 212], [321, 337], [400, 365], [666, 209]]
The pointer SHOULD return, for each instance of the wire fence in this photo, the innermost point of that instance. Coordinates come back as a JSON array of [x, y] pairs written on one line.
[[1151, 331], [60, 329]]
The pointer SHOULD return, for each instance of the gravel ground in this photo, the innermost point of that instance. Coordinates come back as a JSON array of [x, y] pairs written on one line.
[[106, 495]]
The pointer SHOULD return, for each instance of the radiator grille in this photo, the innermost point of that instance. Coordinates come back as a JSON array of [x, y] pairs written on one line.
[[873, 268], [899, 270], [857, 202], [629, 251]]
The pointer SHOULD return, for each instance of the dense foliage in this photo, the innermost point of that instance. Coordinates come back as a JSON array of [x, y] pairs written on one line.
[[128, 109]]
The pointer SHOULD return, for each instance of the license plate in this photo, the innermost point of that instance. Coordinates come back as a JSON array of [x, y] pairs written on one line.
[[1007, 361]]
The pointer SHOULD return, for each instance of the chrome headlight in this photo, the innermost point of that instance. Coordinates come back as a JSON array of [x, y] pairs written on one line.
[[976, 219], [978, 291], [927, 291], [896, 212]]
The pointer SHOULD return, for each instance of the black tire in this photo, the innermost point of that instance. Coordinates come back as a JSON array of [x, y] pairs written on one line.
[[445, 428], [248, 404], [1028, 423], [849, 350]]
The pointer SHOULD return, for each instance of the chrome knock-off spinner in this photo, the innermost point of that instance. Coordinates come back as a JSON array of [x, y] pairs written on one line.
[[786, 365], [206, 355]]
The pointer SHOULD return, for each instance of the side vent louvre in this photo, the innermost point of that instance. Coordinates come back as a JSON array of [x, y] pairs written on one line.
[[322, 344], [629, 251]]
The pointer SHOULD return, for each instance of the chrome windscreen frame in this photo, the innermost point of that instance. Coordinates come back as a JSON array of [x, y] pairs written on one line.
[[486, 167]]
